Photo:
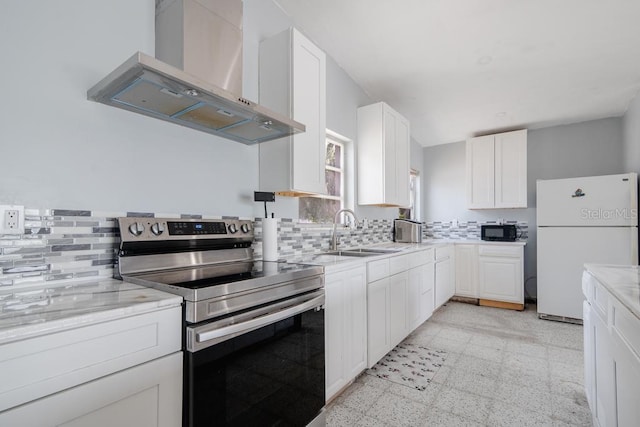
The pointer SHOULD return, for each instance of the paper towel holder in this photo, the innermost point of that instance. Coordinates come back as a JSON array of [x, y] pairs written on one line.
[[264, 196]]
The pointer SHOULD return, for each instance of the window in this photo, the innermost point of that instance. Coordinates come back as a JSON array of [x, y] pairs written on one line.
[[322, 208], [411, 212]]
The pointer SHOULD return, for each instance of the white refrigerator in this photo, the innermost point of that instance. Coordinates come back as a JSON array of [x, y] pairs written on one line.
[[582, 220]]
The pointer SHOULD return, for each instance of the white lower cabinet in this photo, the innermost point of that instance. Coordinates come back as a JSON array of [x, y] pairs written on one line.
[[346, 327], [125, 371], [491, 272], [378, 327], [627, 380], [397, 303], [612, 357], [147, 395], [589, 341], [500, 279], [427, 286], [443, 283], [414, 297], [605, 369], [467, 270], [398, 285]]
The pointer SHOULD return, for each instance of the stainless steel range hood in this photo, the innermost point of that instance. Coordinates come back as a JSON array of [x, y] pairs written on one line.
[[148, 86]]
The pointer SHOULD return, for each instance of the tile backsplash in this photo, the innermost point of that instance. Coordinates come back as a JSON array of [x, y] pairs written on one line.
[[296, 239], [465, 229], [61, 244]]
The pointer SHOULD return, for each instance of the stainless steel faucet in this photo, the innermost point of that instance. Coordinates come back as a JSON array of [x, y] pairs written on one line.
[[334, 238]]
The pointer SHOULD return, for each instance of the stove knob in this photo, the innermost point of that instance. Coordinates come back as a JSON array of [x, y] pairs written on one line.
[[157, 229], [136, 228], [233, 229], [244, 228]]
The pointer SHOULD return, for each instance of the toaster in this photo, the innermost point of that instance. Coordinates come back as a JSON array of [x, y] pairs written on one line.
[[407, 231]]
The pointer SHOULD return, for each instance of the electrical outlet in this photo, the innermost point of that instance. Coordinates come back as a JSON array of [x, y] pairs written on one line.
[[11, 219]]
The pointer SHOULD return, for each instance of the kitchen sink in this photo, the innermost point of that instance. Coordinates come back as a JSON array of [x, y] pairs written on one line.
[[361, 252], [350, 253]]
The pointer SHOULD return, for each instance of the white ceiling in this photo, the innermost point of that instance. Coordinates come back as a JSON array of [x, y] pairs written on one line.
[[459, 68]]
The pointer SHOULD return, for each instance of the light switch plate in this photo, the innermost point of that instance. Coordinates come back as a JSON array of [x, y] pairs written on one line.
[[11, 219]]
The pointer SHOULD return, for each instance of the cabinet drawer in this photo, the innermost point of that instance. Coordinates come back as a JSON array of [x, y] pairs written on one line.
[[500, 251], [44, 365], [601, 302], [588, 283], [417, 259], [398, 264], [443, 252], [627, 326], [377, 270], [145, 395]]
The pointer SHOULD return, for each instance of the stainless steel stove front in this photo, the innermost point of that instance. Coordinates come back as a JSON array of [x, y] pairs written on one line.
[[254, 331]]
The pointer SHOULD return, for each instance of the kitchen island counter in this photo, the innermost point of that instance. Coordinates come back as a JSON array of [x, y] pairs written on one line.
[[40, 310], [622, 281]]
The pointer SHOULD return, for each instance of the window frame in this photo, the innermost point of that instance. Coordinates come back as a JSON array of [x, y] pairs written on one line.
[[414, 193], [344, 171]]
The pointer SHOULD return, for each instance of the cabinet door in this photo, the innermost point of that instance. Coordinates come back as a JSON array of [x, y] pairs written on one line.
[[511, 169], [356, 323], [500, 279], [442, 282], [466, 270], [402, 161], [627, 380], [378, 342], [589, 355], [293, 83], [605, 398], [414, 293], [398, 285], [426, 292], [390, 162], [335, 288], [383, 156], [624, 328], [480, 172], [147, 395], [309, 107]]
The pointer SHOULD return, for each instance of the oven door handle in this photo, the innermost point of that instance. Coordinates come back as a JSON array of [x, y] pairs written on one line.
[[204, 337]]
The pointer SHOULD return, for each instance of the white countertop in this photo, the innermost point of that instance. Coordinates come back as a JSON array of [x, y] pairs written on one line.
[[328, 260], [478, 242], [35, 311], [622, 281]]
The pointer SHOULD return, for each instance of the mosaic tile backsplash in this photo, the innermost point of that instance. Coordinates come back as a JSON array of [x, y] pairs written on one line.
[[465, 229], [60, 244]]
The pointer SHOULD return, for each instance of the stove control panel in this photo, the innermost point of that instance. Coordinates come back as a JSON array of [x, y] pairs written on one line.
[[137, 229]]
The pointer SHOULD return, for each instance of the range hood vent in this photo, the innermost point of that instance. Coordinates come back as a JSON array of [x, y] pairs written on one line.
[[148, 86]]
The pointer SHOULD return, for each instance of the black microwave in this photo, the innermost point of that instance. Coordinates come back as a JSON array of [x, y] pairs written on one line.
[[499, 232]]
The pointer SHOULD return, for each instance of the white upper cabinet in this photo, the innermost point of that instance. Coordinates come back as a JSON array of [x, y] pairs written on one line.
[[293, 83], [497, 171], [383, 156]]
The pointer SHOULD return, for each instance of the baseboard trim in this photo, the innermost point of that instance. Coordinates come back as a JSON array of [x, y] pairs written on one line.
[[501, 304]]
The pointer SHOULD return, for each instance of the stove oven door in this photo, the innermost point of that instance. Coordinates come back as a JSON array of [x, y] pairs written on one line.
[[262, 368]]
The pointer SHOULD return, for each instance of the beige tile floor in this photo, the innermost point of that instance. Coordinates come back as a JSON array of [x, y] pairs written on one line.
[[503, 368]]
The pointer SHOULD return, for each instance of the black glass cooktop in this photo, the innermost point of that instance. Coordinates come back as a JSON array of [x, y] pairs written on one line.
[[198, 283]]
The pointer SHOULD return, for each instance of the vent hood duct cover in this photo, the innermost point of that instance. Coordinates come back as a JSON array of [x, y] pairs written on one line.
[[151, 87]]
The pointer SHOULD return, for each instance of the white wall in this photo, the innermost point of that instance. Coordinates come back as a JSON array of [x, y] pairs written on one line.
[[581, 149], [61, 151]]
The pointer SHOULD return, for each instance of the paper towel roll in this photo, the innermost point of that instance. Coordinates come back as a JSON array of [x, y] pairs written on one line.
[[270, 239]]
